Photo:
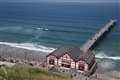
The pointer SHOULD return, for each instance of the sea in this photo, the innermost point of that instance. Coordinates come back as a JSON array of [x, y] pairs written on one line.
[[47, 26]]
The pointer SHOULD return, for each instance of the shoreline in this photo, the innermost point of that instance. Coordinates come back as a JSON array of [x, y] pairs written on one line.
[[13, 54], [6, 47], [37, 59]]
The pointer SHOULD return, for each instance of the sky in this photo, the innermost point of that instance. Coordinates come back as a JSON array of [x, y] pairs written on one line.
[[59, 0]]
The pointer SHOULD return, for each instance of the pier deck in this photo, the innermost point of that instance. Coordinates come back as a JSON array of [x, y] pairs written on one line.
[[98, 35]]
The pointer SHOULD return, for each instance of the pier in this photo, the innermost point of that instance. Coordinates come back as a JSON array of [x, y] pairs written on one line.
[[91, 42]]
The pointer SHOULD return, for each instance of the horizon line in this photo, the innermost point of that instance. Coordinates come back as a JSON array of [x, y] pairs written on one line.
[[54, 2], [64, 1]]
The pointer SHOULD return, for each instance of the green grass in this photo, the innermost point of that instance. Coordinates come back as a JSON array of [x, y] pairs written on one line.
[[27, 73]]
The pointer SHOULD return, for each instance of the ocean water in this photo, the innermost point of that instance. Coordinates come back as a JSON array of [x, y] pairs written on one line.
[[47, 26]]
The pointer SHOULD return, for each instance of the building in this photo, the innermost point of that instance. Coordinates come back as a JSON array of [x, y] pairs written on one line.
[[81, 59], [72, 58]]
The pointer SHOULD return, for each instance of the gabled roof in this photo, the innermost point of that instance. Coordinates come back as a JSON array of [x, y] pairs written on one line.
[[75, 53]]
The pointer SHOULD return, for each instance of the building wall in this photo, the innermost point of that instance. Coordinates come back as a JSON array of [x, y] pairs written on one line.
[[67, 58], [52, 57], [82, 62], [75, 65]]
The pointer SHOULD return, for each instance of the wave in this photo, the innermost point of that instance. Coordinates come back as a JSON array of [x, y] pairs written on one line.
[[30, 46], [41, 48], [66, 31], [105, 56], [43, 29]]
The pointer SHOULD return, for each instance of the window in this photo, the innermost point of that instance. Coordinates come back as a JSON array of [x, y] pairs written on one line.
[[52, 61], [66, 65], [81, 67]]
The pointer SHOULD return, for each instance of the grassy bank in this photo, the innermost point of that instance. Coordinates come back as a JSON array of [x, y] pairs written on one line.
[[28, 73]]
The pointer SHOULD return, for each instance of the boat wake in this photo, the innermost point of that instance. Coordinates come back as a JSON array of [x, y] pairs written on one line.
[[29, 46]]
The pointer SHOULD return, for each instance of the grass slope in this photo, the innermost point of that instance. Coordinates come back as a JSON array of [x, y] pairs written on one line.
[[27, 73]]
